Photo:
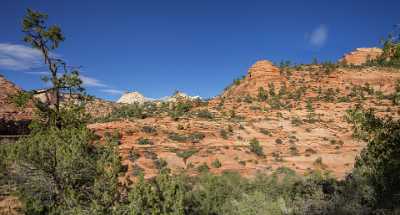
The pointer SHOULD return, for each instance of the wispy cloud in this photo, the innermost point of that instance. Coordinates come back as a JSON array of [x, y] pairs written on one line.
[[112, 91], [37, 73], [19, 57], [92, 82], [28, 60], [318, 36]]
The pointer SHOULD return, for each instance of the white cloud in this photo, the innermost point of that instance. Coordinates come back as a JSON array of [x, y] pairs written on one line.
[[319, 36], [91, 82], [37, 73], [19, 57], [112, 91]]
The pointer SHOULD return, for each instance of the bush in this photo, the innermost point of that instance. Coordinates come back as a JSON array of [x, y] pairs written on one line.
[[54, 168], [186, 154], [126, 111], [149, 129], [144, 141], [216, 163], [296, 121], [177, 137], [133, 155], [224, 134], [262, 94], [180, 109], [205, 114], [379, 162], [203, 168], [255, 147], [265, 131], [160, 164], [196, 137], [248, 99], [163, 195], [137, 170]]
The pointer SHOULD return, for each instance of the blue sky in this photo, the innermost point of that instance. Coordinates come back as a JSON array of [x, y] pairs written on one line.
[[199, 47]]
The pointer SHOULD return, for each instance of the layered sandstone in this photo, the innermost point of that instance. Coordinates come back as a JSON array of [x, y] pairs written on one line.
[[260, 74], [361, 56], [13, 119]]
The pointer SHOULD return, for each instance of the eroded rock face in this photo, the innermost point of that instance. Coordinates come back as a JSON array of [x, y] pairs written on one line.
[[263, 68], [131, 98], [260, 74], [361, 56], [179, 96], [13, 120]]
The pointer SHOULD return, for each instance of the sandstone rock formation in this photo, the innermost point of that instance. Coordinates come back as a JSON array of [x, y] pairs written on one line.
[[361, 55], [13, 120], [260, 74], [179, 96], [136, 97], [132, 97]]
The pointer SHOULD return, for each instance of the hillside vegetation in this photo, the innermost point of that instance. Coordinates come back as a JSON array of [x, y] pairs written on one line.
[[320, 138]]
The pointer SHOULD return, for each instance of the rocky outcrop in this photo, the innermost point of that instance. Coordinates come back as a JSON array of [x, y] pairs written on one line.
[[264, 69], [131, 98], [260, 74], [180, 96], [13, 120], [136, 97], [361, 56], [99, 107]]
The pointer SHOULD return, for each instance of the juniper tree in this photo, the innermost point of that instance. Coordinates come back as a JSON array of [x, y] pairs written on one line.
[[63, 78]]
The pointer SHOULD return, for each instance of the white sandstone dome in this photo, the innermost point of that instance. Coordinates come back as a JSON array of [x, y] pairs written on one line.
[[131, 98]]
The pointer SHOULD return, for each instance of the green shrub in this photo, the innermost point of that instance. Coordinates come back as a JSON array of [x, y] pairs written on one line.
[[163, 195], [150, 155], [265, 131], [262, 94], [144, 141], [160, 163], [203, 168], [56, 167], [296, 121], [177, 137], [255, 147], [179, 109], [137, 170], [224, 134], [379, 162], [216, 163], [318, 161], [186, 154], [196, 137], [149, 129], [126, 111], [248, 99], [344, 99], [205, 114], [133, 155], [271, 89]]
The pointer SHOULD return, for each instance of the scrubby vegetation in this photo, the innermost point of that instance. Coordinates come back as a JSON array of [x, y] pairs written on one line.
[[255, 147], [64, 168], [391, 51]]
